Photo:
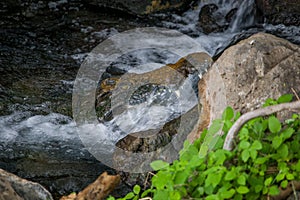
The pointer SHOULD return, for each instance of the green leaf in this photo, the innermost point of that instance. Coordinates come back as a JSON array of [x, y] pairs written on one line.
[[208, 189], [188, 152], [221, 157], [245, 155], [290, 177], [280, 177], [161, 179], [261, 160], [273, 190], [203, 150], [230, 175], [270, 102], [215, 126], [265, 190], [258, 128], [227, 194], [228, 114], [146, 192], [258, 188], [256, 145], [198, 192], [241, 180], [276, 142], [159, 164], [285, 98], [268, 181], [136, 189], [238, 197], [212, 197], [284, 184], [296, 166], [161, 194], [253, 154], [213, 179], [244, 144], [181, 177], [175, 195], [287, 133], [242, 190], [244, 134], [211, 138], [274, 124], [130, 195], [283, 151]]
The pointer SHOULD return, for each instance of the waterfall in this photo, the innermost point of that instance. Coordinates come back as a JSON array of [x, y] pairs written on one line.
[[245, 16]]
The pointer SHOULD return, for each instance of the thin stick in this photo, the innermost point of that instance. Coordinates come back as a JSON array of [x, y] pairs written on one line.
[[295, 93], [228, 144], [294, 190]]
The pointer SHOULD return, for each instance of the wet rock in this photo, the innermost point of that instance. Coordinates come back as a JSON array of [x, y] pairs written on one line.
[[158, 143], [142, 7], [163, 76], [231, 14], [207, 21], [280, 12], [13, 187], [211, 19], [246, 74]]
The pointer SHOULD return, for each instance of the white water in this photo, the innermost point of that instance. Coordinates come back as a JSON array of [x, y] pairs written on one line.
[[22, 126]]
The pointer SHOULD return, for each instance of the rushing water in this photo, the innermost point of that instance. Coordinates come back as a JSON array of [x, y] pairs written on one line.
[[39, 63]]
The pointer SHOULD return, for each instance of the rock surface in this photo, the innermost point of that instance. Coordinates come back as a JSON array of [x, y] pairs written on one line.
[[280, 12], [246, 74], [13, 187], [141, 7], [99, 189]]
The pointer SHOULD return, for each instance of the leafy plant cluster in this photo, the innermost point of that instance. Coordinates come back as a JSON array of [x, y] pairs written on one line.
[[265, 159]]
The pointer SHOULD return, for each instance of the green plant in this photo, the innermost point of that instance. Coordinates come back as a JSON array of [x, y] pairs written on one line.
[[265, 158]]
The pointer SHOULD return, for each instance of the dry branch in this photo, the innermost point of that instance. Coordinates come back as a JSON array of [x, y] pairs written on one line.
[[228, 144]]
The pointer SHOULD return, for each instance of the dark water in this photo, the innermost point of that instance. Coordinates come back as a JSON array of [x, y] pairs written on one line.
[[42, 47]]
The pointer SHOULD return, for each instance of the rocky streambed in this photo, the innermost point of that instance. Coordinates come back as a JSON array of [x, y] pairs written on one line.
[[42, 47]]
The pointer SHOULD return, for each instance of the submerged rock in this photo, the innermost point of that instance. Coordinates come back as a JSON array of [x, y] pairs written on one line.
[[13, 187], [212, 20], [207, 21]]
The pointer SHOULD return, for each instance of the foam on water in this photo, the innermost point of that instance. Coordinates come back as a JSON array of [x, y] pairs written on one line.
[[22, 126]]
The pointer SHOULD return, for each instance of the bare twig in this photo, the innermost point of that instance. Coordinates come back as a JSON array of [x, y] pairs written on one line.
[[295, 93], [228, 144], [294, 190]]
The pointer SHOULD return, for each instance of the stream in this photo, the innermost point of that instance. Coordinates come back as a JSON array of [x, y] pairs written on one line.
[[42, 46]]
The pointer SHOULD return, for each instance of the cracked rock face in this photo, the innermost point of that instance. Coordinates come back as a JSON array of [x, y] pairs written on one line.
[[260, 67]]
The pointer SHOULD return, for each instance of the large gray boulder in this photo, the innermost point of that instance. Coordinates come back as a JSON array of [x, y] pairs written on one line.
[[13, 187], [246, 74]]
